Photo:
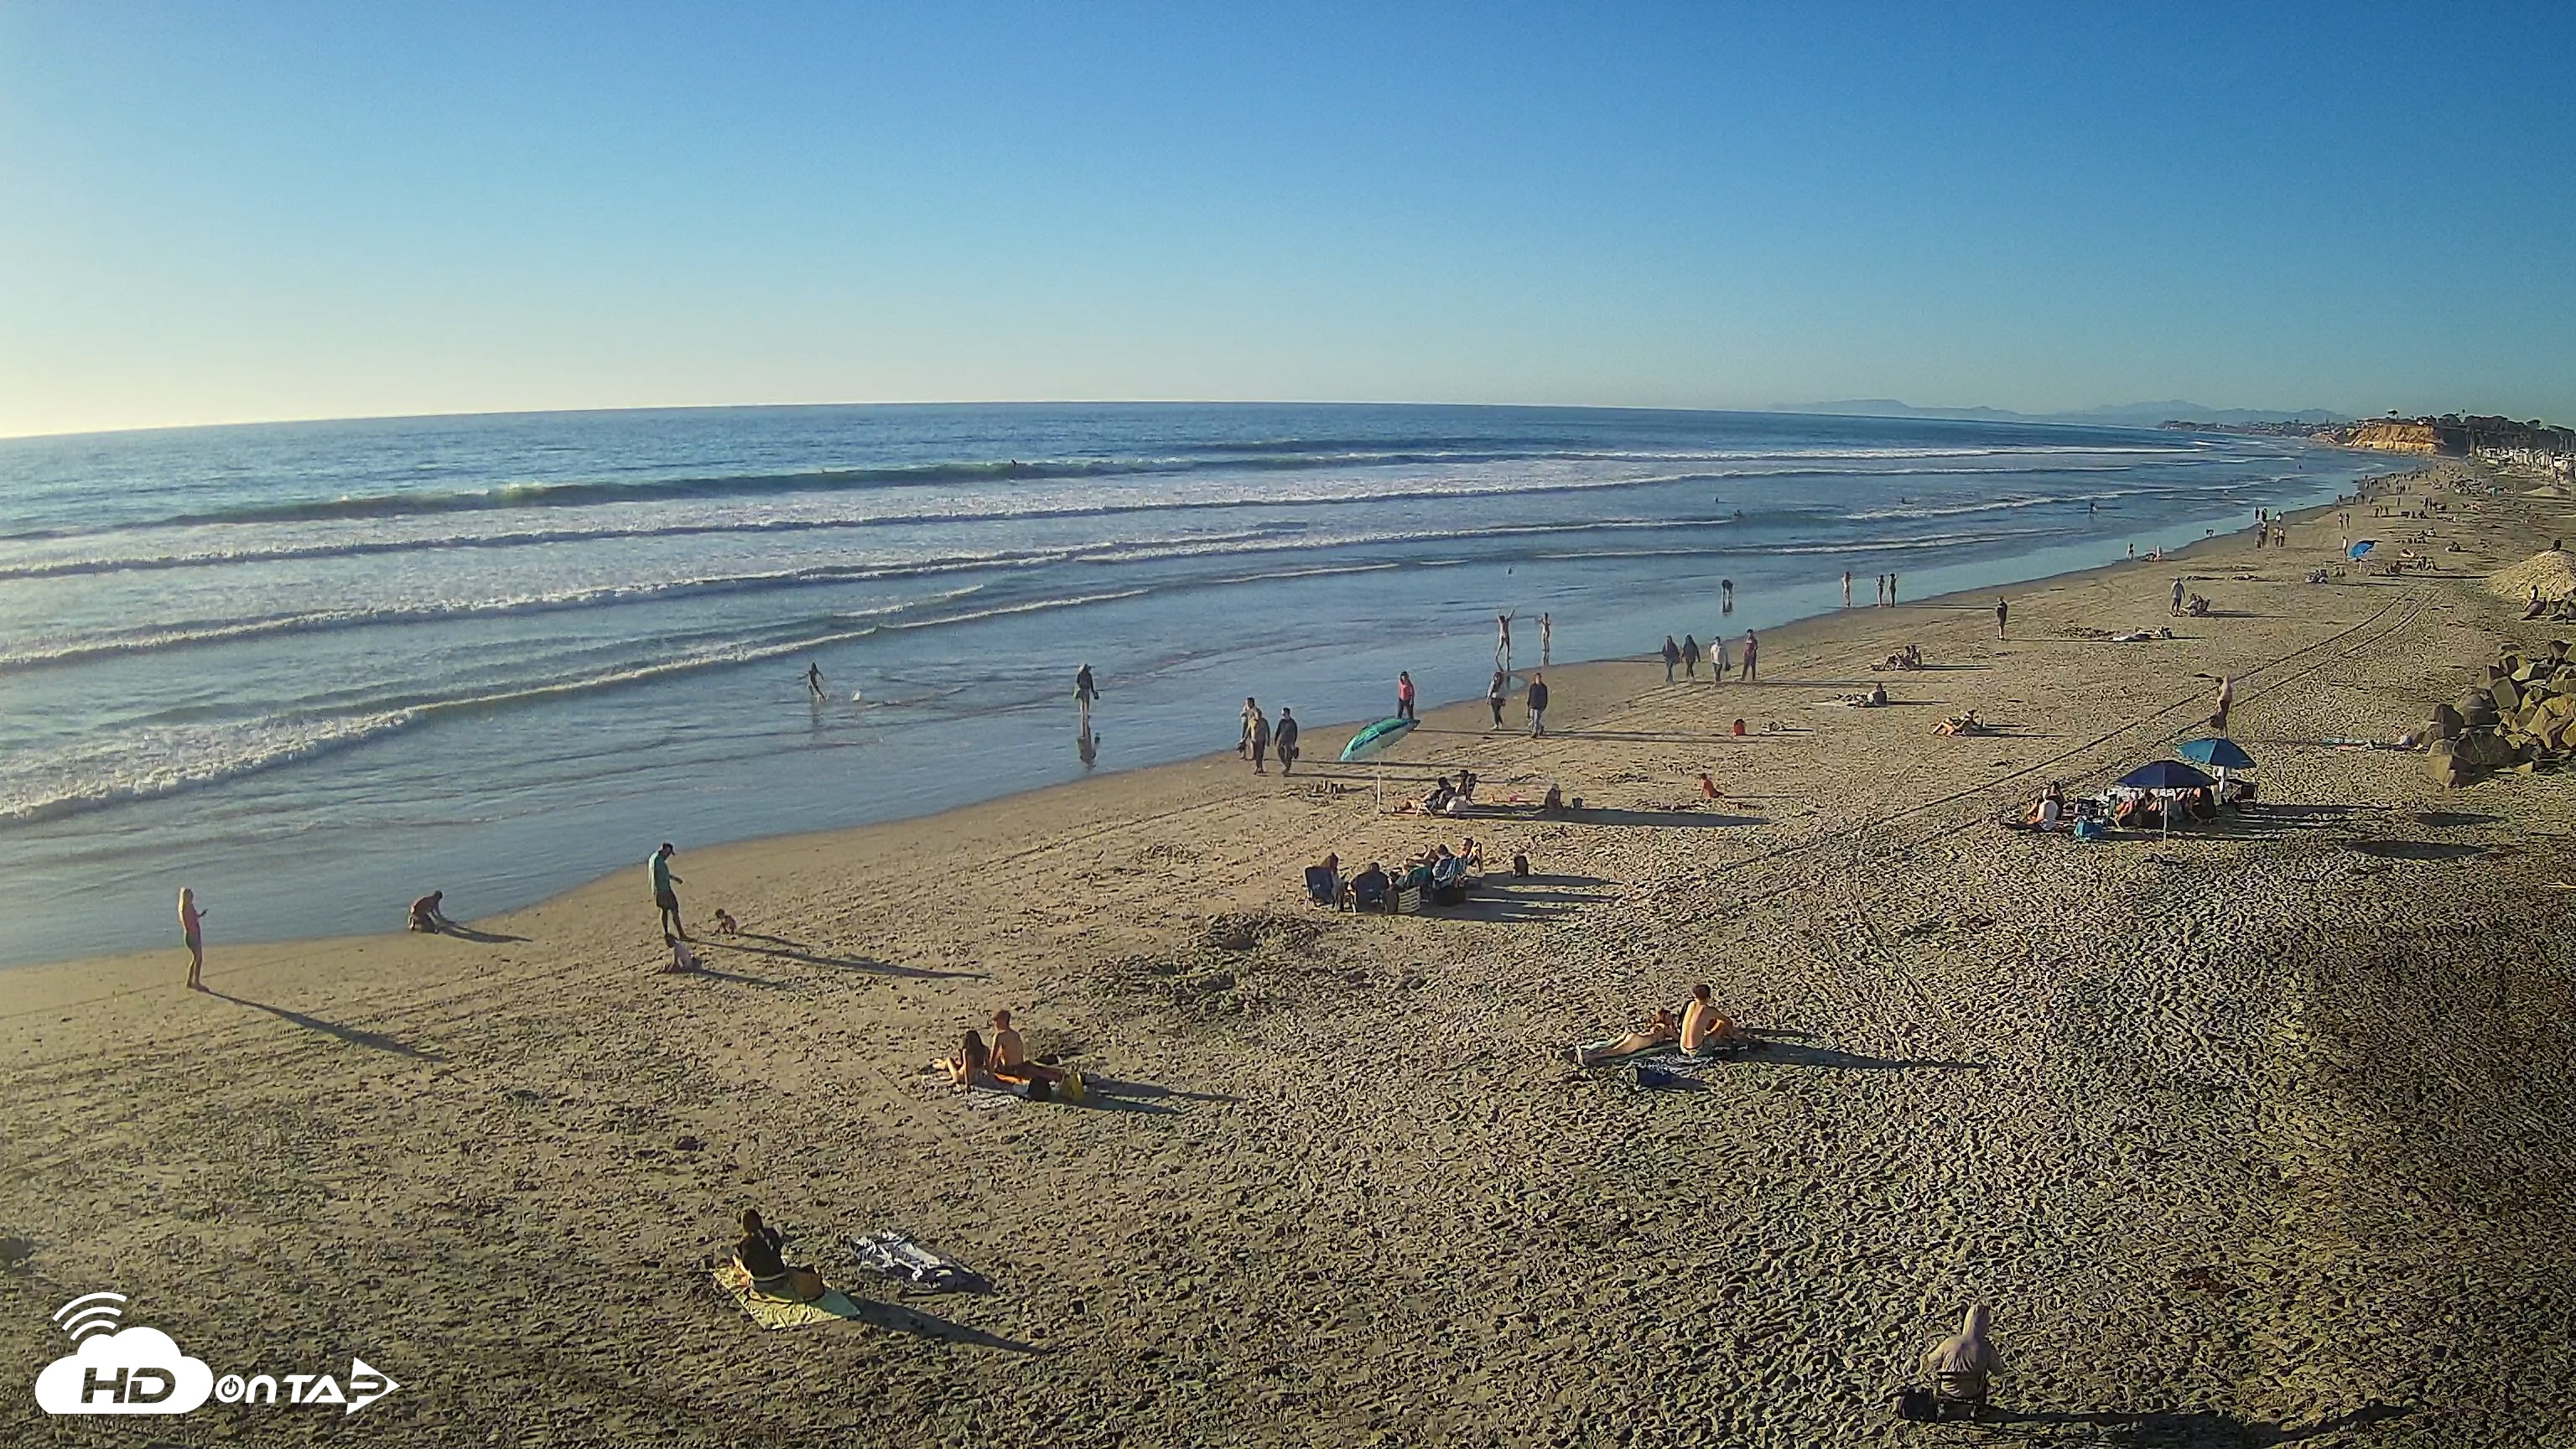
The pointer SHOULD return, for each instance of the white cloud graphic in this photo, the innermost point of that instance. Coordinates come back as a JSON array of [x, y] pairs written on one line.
[[100, 1377]]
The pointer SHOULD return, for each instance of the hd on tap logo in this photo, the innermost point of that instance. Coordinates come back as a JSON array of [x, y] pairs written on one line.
[[141, 1370]]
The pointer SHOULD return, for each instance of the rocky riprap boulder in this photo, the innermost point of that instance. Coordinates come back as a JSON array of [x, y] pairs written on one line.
[[2523, 718]]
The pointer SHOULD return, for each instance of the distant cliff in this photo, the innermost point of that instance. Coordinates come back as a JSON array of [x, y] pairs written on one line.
[[2396, 437]]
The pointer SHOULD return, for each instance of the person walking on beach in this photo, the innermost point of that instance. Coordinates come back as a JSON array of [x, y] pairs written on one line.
[[1690, 655], [664, 899], [1717, 661], [1084, 691], [1546, 638], [1752, 646], [1847, 588], [1880, 602], [1260, 742], [1284, 738], [1251, 717], [1538, 705], [1494, 694], [814, 681], [1726, 596], [1404, 694], [192, 930], [1672, 656], [2177, 594], [2003, 611]]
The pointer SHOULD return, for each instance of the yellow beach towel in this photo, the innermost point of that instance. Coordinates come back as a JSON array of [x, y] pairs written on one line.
[[771, 1312]]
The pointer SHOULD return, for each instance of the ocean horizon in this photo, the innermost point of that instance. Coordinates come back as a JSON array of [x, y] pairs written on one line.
[[315, 669]]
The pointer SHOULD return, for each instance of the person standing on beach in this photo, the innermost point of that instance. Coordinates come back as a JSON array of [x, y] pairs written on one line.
[[1259, 741], [1726, 596], [1404, 694], [1503, 642], [1546, 638], [1717, 663], [1690, 656], [1752, 646], [1284, 737], [1538, 705], [664, 899], [1847, 588], [1672, 656], [2003, 611], [1891, 589], [2177, 594], [814, 681], [192, 930], [1251, 717], [1494, 694], [1084, 691], [2133, 553], [2218, 713]]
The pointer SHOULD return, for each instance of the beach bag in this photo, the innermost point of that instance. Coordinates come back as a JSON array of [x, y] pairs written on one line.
[[1914, 1405], [1072, 1089]]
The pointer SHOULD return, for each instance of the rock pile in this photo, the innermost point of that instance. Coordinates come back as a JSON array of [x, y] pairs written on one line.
[[2523, 717]]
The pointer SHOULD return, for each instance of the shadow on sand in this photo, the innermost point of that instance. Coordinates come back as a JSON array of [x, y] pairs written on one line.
[[786, 950], [2183, 1428], [354, 1036]]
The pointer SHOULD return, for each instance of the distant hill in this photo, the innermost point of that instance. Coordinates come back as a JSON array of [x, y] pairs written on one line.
[[2121, 415]]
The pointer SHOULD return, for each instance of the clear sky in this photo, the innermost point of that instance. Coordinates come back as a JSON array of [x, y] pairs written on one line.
[[216, 212]]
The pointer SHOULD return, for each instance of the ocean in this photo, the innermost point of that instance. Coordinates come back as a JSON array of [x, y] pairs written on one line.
[[316, 669]]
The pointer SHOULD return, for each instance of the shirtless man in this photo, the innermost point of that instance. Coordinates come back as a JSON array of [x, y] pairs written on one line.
[[1704, 1027], [1010, 1057]]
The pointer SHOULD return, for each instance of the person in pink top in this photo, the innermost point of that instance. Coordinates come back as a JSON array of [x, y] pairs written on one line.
[[1404, 694], [192, 931]]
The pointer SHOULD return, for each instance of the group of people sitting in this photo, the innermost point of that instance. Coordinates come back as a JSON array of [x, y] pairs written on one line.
[[2129, 809], [1701, 1030], [1907, 658], [1437, 874], [1004, 1065]]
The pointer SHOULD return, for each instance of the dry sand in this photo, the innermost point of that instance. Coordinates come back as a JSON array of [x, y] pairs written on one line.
[[2254, 1134]]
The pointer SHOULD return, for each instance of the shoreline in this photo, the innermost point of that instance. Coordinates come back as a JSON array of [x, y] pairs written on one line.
[[1794, 632], [1799, 632]]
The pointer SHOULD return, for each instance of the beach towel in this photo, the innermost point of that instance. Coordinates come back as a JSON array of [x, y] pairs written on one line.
[[1575, 1053], [775, 1313], [895, 1254]]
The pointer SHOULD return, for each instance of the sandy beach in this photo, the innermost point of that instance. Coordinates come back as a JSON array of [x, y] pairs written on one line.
[[2254, 1134]]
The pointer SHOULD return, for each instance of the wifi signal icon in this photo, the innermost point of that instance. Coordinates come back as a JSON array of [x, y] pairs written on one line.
[[90, 1313]]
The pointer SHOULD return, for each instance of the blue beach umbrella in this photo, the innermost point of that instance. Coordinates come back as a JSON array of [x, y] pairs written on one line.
[[2363, 547], [2216, 754], [2165, 775], [1376, 739]]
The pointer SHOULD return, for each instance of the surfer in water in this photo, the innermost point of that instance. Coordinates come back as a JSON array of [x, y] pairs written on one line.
[[814, 682]]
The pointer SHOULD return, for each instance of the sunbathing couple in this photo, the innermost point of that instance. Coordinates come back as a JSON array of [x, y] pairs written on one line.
[[1907, 658], [1702, 1031], [1448, 799], [1002, 1066], [1965, 722], [1875, 697]]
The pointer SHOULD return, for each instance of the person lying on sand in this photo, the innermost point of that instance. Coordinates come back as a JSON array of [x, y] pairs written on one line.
[[1660, 1032], [761, 1253], [1010, 1059], [1705, 1028], [426, 915]]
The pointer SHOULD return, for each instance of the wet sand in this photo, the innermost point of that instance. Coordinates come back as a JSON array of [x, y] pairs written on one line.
[[2250, 1135]]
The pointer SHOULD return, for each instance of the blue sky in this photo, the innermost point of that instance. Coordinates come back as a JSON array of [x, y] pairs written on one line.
[[232, 212]]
